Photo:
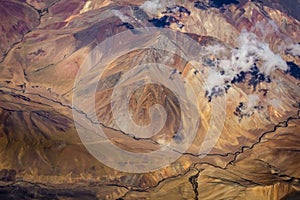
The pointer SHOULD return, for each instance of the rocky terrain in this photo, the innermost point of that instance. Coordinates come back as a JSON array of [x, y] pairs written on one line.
[[242, 64]]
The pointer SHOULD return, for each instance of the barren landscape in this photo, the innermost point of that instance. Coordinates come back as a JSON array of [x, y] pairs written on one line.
[[226, 74]]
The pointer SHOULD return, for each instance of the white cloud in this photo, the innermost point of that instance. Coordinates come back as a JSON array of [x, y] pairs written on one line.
[[122, 17], [215, 49], [154, 7], [275, 103], [294, 49], [250, 50], [252, 100]]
